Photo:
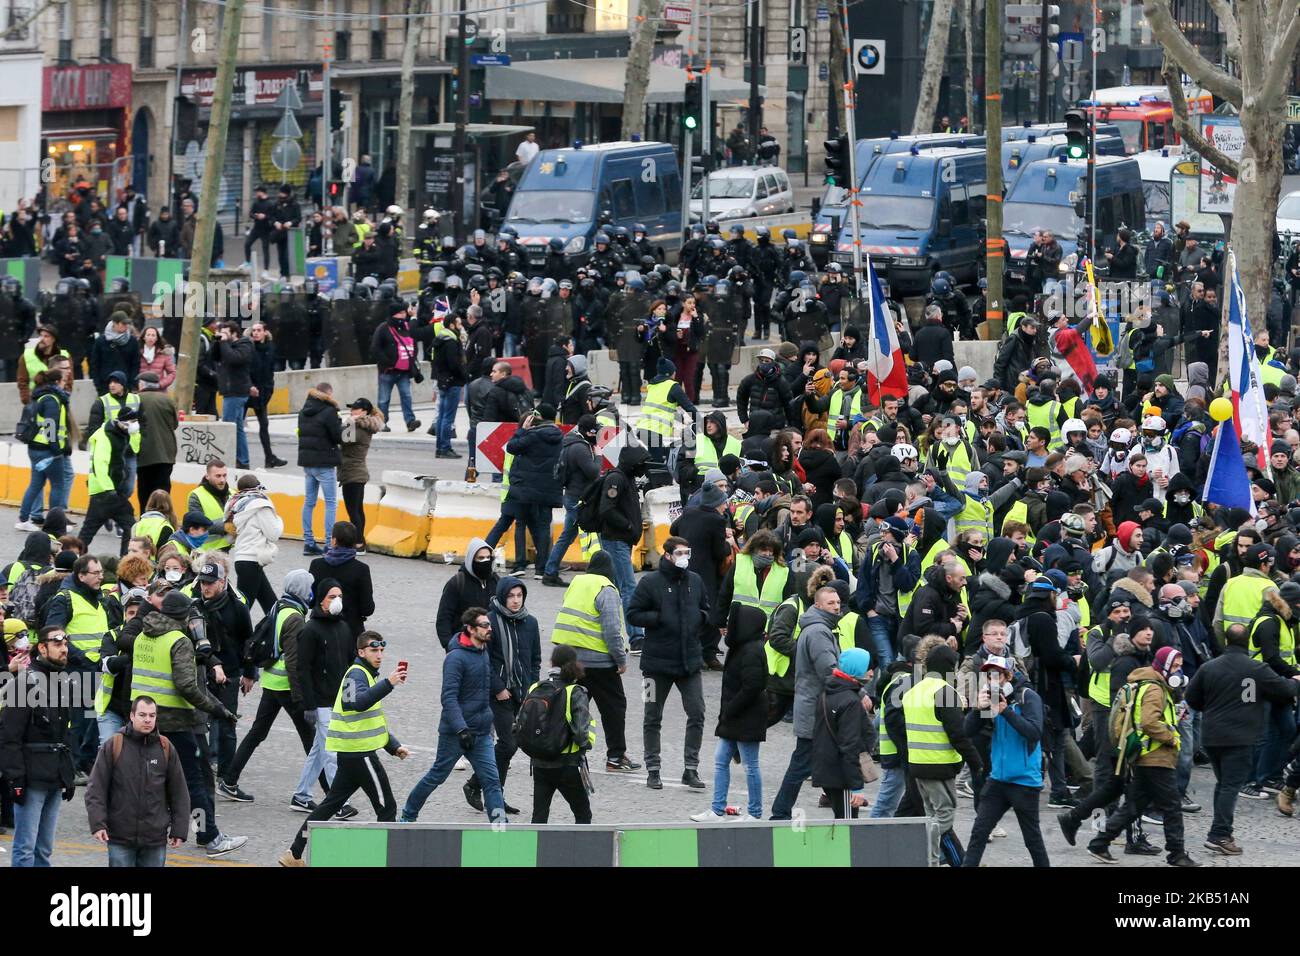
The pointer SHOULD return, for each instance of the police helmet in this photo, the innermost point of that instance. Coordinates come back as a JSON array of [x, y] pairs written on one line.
[[713, 228], [737, 230], [940, 287], [556, 245], [797, 278], [601, 237], [763, 233], [454, 282], [636, 283], [697, 230]]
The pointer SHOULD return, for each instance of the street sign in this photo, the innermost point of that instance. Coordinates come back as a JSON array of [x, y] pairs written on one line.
[[286, 155], [681, 15], [823, 71], [489, 59], [289, 98], [1218, 189], [1072, 52], [1031, 11], [869, 57], [823, 15]]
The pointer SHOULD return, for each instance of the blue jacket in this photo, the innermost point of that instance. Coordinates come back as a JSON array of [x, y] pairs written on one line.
[[532, 473], [906, 569], [1016, 749], [516, 646], [466, 689]]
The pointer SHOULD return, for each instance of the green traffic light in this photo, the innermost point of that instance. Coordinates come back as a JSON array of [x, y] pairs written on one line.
[[1076, 152], [690, 122]]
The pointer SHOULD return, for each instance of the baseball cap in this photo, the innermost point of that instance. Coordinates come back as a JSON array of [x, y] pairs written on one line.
[[1058, 578], [767, 354], [212, 571], [196, 519], [997, 663], [1117, 602], [364, 404]]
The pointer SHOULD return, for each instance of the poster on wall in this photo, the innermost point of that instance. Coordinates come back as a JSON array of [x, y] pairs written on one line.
[[1218, 188]]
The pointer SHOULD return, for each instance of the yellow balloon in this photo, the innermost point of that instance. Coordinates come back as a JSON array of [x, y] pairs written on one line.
[[1221, 409]]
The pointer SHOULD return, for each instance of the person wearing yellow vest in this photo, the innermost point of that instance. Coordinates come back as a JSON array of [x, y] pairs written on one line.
[[844, 406], [664, 398], [48, 450], [113, 696], [194, 535], [1272, 361], [36, 556], [36, 359], [715, 444], [782, 641], [78, 608], [1243, 596], [281, 685], [935, 744], [106, 483], [591, 621], [1154, 785], [210, 497], [1272, 640], [168, 665], [952, 453], [358, 731], [759, 578], [107, 408], [564, 772]]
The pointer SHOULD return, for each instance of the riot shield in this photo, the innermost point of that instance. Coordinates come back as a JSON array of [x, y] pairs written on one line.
[[558, 319], [537, 344], [285, 314], [807, 323], [722, 339], [12, 340], [373, 318], [635, 308], [320, 330], [348, 318]]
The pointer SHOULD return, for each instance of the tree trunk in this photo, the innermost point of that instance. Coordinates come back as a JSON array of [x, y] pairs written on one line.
[[406, 102], [637, 80], [838, 55], [968, 40], [936, 55]]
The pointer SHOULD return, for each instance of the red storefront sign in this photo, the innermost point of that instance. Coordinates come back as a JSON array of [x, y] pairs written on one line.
[[105, 86], [253, 87]]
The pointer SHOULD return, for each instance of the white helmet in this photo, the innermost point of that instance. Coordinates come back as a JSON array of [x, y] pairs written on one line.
[[393, 210], [1073, 425], [430, 215], [1153, 423], [904, 452], [1121, 436]]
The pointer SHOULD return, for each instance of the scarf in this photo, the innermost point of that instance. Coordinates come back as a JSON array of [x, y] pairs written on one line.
[[507, 640], [116, 337], [148, 352], [336, 556]]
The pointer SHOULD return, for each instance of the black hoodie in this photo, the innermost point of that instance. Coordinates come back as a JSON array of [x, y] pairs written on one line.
[[620, 503], [506, 401]]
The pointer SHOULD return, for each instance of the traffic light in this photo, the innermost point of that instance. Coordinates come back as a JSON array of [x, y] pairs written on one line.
[[1076, 133], [334, 189], [337, 109], [692, 104], [837, 160], [187, 120]]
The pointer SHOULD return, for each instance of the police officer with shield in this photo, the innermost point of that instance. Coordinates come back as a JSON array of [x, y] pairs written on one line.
[[722, 338]]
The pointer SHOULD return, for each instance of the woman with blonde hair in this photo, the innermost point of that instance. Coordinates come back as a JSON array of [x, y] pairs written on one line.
[[158, 522]]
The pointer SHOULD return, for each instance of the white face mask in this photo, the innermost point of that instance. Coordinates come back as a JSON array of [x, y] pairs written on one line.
[[173, 575], [952, 440], [336, 606], [22, 644], [132, 428], [682, 561]]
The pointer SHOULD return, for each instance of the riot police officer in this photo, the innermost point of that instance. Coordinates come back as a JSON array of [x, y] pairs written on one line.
[[768, 273], [956, 310], [486, 254], [603, 258], [557, 265], [622, 246], [719, 261], [426, 242], [834, 292], [17, 325], [796, 257], [692, 249], [738, 247], [641, 241]]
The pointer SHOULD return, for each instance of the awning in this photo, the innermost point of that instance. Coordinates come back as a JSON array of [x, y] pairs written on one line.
[[81, 132], [378, 68], [599, 81], [472, 130]]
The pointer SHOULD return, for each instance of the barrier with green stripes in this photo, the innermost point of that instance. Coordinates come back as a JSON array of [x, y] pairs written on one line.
[[821, 843]]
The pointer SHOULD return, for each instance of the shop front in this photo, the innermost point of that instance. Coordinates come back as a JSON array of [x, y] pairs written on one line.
[[85, 131]]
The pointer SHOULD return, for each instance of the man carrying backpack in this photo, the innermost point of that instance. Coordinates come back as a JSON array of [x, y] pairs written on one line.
[[1146, 731], [559, 749]]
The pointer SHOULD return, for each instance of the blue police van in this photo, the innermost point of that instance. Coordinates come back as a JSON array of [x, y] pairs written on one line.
[[921, 213], [571, 194], [1045, 196], [1018, 154]]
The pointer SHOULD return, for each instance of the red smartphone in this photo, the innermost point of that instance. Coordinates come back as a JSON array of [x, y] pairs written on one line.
[[401, 665]]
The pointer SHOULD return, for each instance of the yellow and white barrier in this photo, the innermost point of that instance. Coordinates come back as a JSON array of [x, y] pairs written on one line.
[[401, 523]]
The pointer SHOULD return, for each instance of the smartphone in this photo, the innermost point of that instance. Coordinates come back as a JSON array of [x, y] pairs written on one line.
[[401, 665]]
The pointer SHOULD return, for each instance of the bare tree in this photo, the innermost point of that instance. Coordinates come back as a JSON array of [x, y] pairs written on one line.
[[406, 97], [834, 102], [968, 41], [1261, 37], [637, 80], [936, 55]]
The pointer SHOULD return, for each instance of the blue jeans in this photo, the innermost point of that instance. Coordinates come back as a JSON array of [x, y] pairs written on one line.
[[1270, 755], [511, 347], [722, 775], [132, 465], [620, 552], [233, 409], [65, 489], [34, 822], [109, 724], [1186, 748], [318, 758], [403, 383], [119, 854], [566, 538], [324, 481], [893, 782], [33, 504], [799, 770], [882, 630], [482, 758], [448, 402]]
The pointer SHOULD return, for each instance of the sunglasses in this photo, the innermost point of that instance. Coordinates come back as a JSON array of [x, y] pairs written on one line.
[[376, 645], [486, 625]]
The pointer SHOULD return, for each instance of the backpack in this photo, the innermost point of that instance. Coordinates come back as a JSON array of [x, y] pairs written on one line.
[[115, 749], [588, 513], [1018, 641], [23, 595], [262, 648], [1123, 730], [540, 729], [26, 430]]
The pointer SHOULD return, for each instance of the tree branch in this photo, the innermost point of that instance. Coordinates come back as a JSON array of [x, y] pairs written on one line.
[[1177, 46], [1228, 23], [1278, 74], [1190, 134]]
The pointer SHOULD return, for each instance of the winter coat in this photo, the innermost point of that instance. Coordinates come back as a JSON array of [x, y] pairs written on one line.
[[158, 424], [1015, 355], [353, 578], [553, 385], [536, 451], [163, 364], [466, 689], [257, 527], [991, 599], [837, 735], [320, 433], [671, 605], [140, 798], [261, 372], [620, 504], [506, 401], [516, 646], [706, 530], [475, 395], [770, 393], [107, 357], [823, 470], [356, 434], [1150, 721], [933, 607], [1009, 757], [384, 348], [190, 684], [463, 591], [742, 711], [578, 464], [1051, 661], [816, 653], [1233, 719], [326, 646], [950, 711], [31, 721], [449, 369], [229, 627], [234, 366], [932, 342]]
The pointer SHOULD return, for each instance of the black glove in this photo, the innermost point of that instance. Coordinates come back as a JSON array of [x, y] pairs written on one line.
[[466, 740], [69, 793]]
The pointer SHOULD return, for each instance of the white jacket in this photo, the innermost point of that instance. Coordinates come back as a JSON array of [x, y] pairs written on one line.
[[258, 528]]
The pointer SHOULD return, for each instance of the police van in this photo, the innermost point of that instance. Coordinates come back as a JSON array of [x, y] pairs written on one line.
[[1018, 154], [831, 214], [1048, 194], [921, 213], [571, 194]]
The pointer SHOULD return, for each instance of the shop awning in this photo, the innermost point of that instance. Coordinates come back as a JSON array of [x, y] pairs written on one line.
[[379, 68], [82, 132], [599, 81], [473, 130]]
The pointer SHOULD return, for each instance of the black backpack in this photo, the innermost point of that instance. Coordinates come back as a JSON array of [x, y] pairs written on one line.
[[262, 648], [27, 429], [589, 506], [540, 729]]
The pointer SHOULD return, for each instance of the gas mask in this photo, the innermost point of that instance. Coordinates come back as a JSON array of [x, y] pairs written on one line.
[[1182, 497], [1076, 591], [1119, 451], [1174, 610], [1177, 680]]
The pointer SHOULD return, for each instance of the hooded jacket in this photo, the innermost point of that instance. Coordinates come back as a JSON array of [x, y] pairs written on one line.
[[838, 734], [757, 435], [573, 395], [578, 463], [140, 798], [356, 434], [532, 472], [516, 646], [933, 606], [1150, 721], [706, 532], [325, 649], [991, 599], [742, 711], [31, 729], [620, 503], [257, 527], [765, 389], [463, 591], [671, 605], [320, 433], [816, 653], [1232, 719], [822, 470], [234, 361], [506, 400], [1274, 615]]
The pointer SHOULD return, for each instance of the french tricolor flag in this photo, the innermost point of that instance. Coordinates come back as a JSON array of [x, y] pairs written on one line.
[[886, 368], [1249, 413]]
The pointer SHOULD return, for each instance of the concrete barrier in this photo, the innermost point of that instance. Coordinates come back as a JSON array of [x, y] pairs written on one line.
[[661, 508], [761, 843], [401, 522], [349, 381], [83, 396], [198, 442], [978, 354]]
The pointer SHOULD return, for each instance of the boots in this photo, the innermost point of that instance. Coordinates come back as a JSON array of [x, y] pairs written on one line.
[[1286, 801]]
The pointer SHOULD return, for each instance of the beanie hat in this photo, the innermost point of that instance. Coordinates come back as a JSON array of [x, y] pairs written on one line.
[[855, 662], [1126, 529], [711, 496], [941, 660], [1166, 380], [546, 411], [965, 373], [1164, 660], [666, 367], [714, 474]]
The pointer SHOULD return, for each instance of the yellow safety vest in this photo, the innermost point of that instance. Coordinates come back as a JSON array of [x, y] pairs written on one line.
[[837, 410], [1285, 641], [214, 512], [904, 598], [658, 413], [50, 432], [505, 474], [706, 453], [276, 677], [101, 456], [958, 463], [151, 669], [1045, 416], [842, 547], [745, 588], [1019, 512], [573, 746], [845, 630], [1243, 597], [1268, 372], [1013, 320], [356, 731], [104, 693], [887, 746], [16, 571], [113, 407], [578, 623], [778, 664], [151, 525], [927, 741], [87, 626], [1098, 681], [36, 364], [1149, 745], [976, 515]]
